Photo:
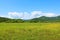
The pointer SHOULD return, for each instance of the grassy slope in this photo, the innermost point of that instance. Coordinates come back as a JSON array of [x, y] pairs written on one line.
[[29, 31]]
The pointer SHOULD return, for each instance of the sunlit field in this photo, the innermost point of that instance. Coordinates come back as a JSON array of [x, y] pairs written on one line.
[[29, 31]]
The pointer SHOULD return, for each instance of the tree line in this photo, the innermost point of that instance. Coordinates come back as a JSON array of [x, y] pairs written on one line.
[[34, 20]]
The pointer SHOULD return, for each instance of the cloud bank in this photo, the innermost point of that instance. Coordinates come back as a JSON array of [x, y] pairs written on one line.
[[33, 14], [24, 15]]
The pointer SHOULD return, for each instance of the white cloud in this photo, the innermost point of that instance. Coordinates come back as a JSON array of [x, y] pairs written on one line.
[[26, 15], [15, 15], [49, 14], [35, 14]]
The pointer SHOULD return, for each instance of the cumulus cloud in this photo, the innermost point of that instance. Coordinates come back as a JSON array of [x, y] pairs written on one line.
[[35, 14], [50, 14], [15, 15], [26, 15]]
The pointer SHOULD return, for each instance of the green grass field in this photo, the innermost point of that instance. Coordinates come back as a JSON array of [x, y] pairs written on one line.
[[29, 31]]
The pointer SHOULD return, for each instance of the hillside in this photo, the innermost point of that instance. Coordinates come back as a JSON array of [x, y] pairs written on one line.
[[35, 20], [46, 19], [9, 20]]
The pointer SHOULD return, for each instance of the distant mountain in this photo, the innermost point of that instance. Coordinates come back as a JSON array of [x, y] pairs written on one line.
[[34, 20], [46, 19], [9, 20]]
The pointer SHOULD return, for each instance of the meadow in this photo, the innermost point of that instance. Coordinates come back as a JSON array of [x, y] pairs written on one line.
[[29, 31]]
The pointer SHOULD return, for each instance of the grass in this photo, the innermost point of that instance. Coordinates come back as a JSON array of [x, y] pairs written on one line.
[[29, 31]]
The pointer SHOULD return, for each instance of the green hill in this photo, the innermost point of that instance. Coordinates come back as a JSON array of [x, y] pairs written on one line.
[[34, 20]]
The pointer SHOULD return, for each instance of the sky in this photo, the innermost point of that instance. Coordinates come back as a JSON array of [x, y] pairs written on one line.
[[28, 9]]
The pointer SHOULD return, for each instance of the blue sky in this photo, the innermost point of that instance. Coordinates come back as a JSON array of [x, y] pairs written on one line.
[[29, 8]]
